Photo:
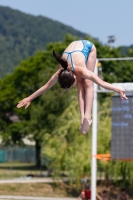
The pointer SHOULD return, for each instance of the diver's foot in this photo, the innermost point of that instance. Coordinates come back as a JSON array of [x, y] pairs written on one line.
[[84, 128]]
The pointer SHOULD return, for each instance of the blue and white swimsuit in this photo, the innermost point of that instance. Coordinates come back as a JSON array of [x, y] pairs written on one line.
[[87, 47]]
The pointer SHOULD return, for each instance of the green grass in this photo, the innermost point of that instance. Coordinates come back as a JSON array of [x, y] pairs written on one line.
[[34, 189], [15, 170]]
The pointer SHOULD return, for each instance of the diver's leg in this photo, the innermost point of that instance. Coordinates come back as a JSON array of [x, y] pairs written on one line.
[[89, 96], [81, 98], [89, 92]]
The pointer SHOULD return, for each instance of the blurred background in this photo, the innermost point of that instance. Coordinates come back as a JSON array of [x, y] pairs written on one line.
[[42, 143]]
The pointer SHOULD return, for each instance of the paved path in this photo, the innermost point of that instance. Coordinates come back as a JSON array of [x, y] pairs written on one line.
[[3, 197], [29, 180]]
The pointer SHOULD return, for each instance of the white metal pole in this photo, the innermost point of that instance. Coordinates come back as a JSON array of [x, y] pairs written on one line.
[[109, 59], [94, 141]]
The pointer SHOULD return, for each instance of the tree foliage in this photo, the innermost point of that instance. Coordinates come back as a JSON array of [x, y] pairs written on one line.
[[72, 148]]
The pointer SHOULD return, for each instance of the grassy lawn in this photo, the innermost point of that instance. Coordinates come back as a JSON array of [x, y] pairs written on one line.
[[16, 170], [50, 190], [34, 189]]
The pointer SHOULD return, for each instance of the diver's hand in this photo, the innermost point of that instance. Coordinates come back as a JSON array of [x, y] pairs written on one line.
[[122, 94], [24, 103]]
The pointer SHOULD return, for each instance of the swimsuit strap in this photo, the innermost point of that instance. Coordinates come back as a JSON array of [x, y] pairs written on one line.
[[72, 51], [72, 62], [70, 54], [67, 56]]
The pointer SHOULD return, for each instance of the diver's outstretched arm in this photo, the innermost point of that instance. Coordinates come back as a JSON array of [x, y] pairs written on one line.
[[86, 74], [26, 101]]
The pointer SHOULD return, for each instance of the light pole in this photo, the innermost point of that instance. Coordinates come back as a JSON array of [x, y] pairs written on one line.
[[94, 141], [111, 40]]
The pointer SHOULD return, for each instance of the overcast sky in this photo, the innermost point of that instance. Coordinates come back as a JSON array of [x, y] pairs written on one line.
[[99, 18]]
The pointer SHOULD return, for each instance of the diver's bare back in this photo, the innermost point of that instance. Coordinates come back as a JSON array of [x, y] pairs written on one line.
[[78, 57]]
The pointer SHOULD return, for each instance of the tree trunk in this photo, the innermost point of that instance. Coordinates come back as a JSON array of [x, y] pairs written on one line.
[[38, 154], [106, 177]]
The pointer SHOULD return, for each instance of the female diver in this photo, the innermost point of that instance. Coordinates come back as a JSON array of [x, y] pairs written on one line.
[[77, 68]]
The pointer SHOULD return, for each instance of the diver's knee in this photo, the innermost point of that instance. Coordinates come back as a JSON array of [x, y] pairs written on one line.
[[88, 83], [80, 82]]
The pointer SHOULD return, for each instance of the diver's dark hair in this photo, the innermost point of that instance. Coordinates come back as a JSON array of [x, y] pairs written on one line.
[[66, 78], [60, 60]]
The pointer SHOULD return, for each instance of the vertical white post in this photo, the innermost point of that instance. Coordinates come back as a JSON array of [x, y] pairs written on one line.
[[94, 141]]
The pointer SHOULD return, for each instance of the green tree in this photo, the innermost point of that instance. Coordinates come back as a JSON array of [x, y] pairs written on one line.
[[67, 151], [42, 115]]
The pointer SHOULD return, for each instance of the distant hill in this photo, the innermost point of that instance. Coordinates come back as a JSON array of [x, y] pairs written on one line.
[[21, 35]]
